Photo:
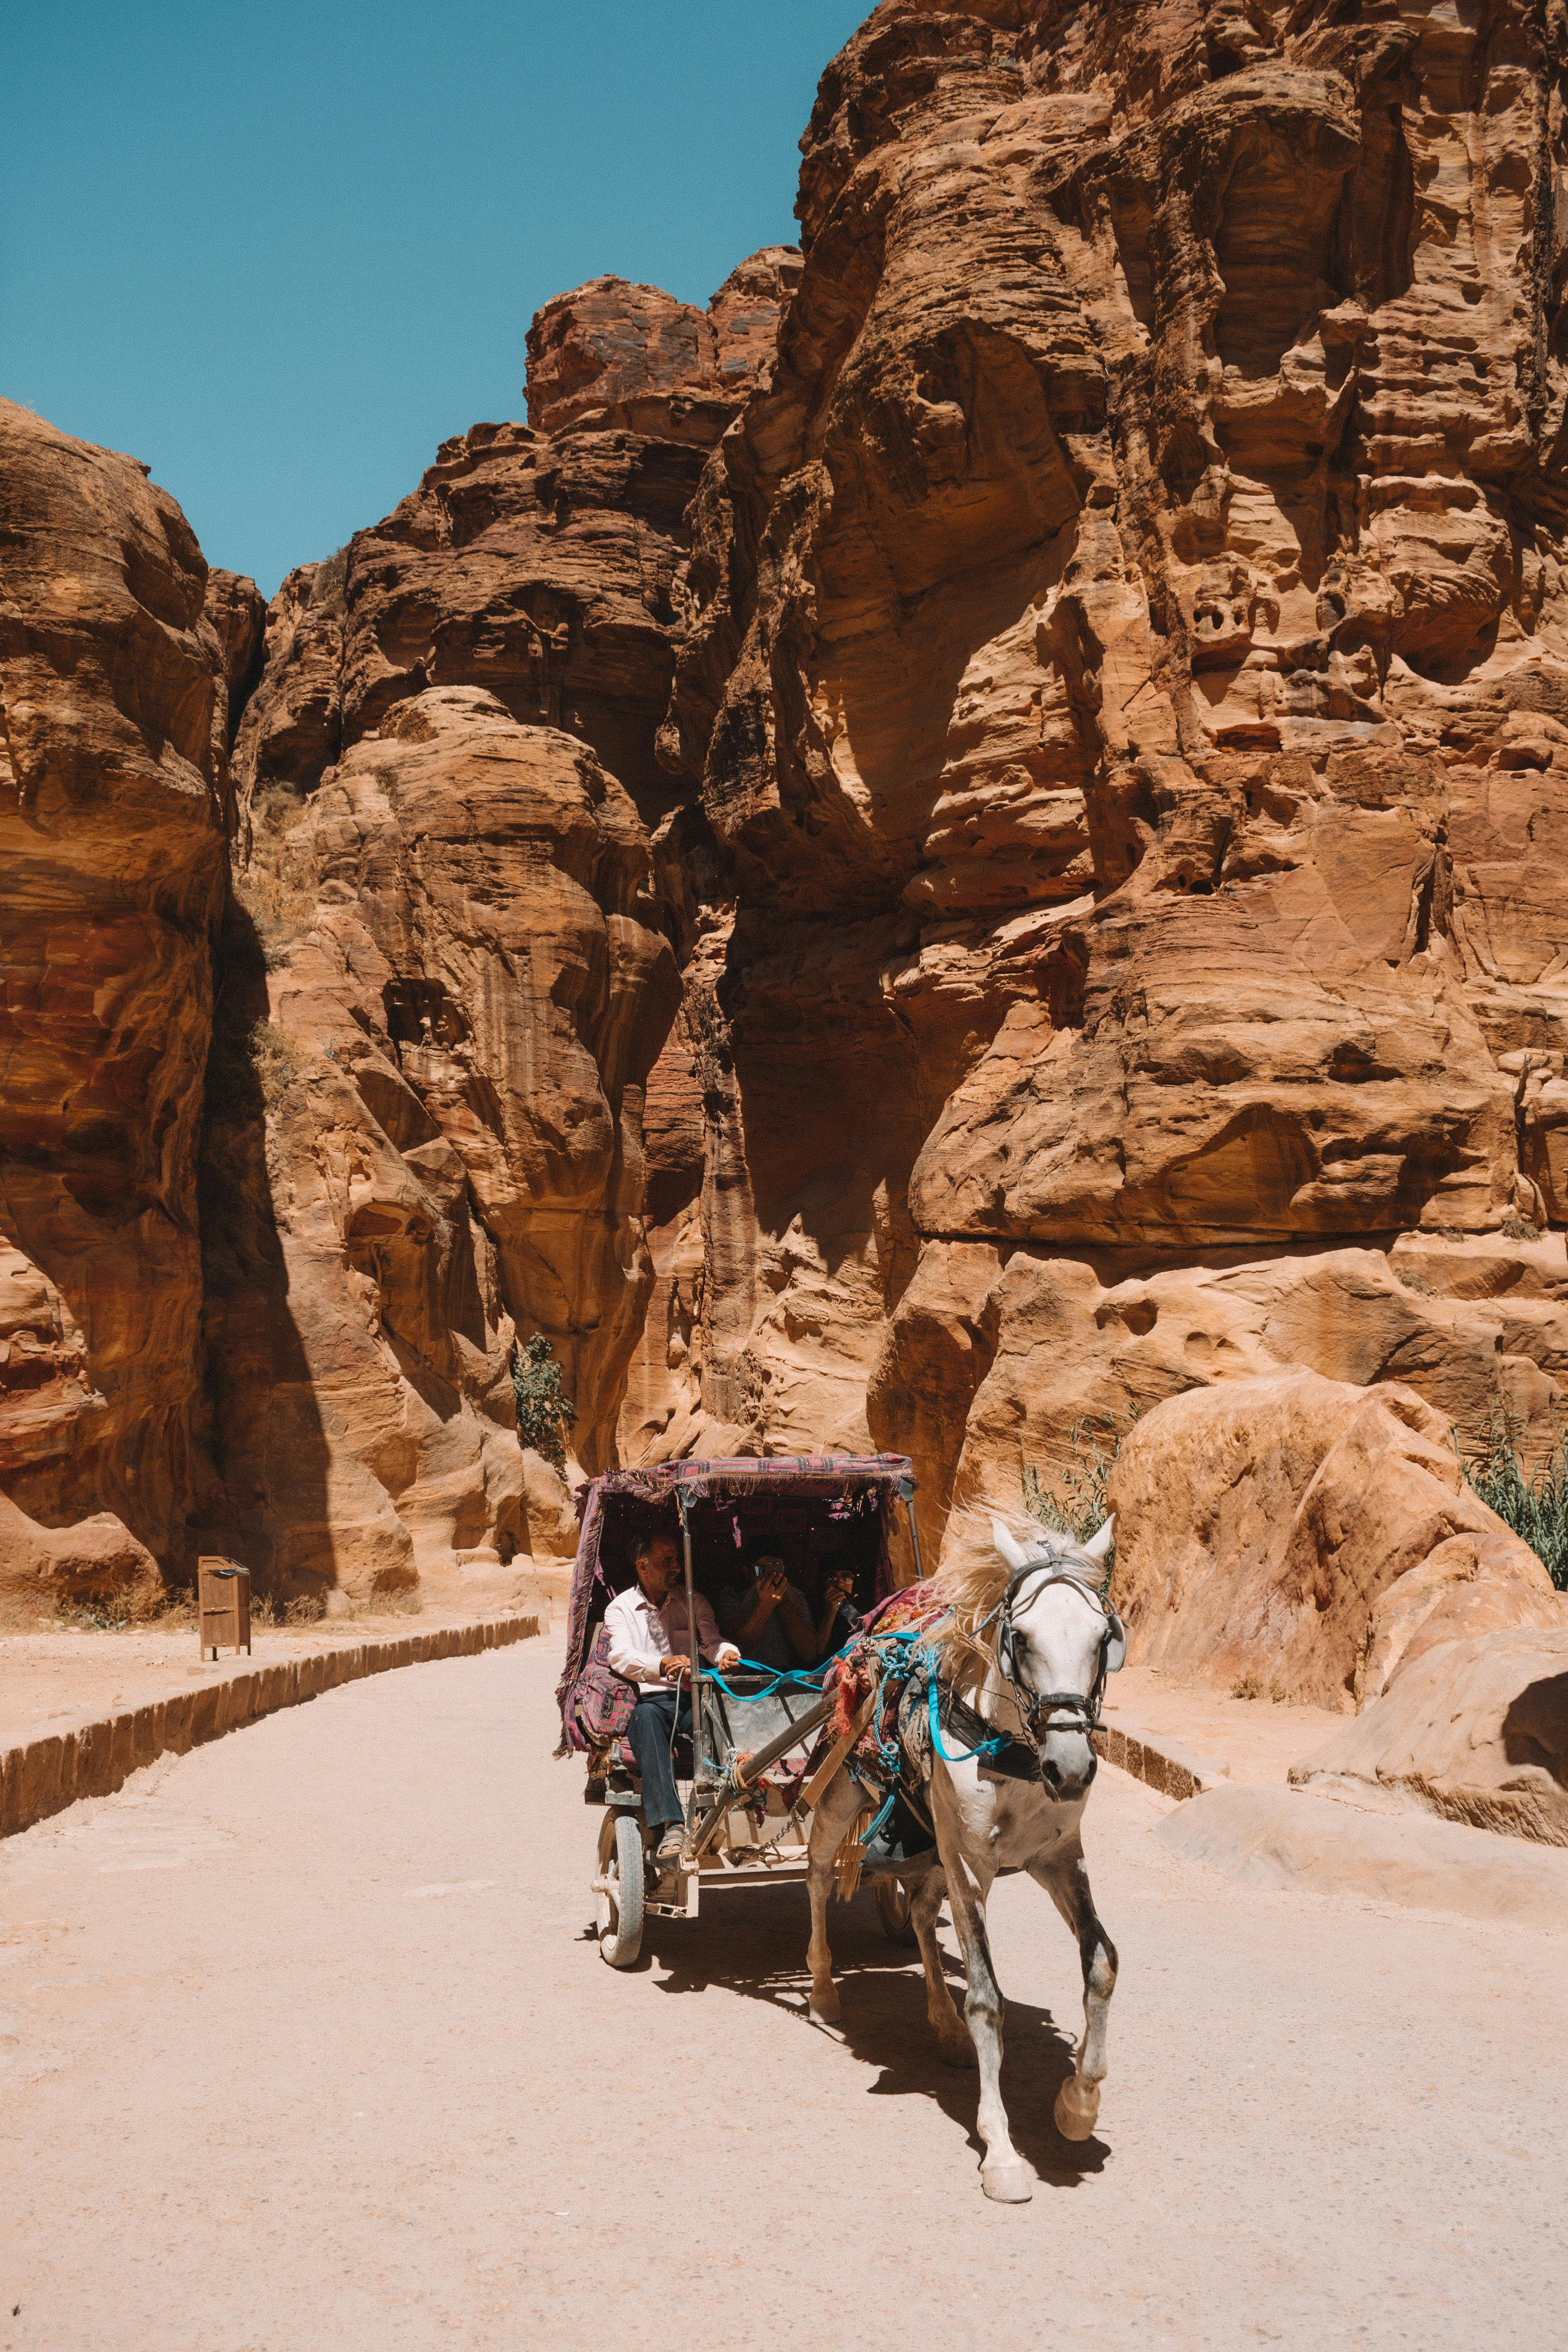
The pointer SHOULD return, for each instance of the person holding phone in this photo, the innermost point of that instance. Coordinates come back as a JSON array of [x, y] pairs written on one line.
[[838, 1620], [769, 1618]]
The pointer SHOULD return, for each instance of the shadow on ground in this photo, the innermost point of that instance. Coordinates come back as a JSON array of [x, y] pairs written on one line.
[[752, 1942]]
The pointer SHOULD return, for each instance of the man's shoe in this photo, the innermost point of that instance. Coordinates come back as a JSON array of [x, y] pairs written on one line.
[[668, 1848]]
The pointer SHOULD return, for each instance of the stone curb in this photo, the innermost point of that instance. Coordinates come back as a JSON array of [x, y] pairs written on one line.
[[47, 1775], [1160, 1763]]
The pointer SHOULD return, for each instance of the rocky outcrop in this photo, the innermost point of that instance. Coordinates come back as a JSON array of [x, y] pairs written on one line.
[[1477, 1731], [451, 976], [543, 561], [1313, 1537], [1123, 685], [449, 1061], [113, 818], [609, 352]]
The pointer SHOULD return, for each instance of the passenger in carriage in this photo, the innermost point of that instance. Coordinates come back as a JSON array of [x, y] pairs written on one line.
[[650, 1644], [770, 1617], [773, 1622], [839, 1620]]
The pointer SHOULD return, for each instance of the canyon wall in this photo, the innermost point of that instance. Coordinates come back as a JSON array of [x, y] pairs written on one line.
[[113, 813], [462, 878], [1126, 685], [962, 840]]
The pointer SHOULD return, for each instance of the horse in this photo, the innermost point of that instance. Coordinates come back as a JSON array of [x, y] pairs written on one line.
[[1030, 1642]]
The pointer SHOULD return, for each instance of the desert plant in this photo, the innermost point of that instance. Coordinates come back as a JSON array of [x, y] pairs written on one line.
[[1248, 1688], [544, 1410], [1073, 1503], [1534, 1504]]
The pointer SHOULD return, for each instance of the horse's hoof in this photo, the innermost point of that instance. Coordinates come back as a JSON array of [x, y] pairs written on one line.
[[1009, 2184], [957, 2050], [1078, 2108], [825, 2009]]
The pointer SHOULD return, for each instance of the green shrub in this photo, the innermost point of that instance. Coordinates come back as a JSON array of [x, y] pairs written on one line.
[[1074, 1502], [544, 1410], [1534, 1505]]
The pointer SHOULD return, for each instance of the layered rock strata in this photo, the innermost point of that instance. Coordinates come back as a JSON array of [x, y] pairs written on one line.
[[113, 793], [429, 1137], [1073, 666], [1124, 684]]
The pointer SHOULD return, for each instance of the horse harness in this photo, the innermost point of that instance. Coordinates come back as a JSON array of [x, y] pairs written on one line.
[[1041, 1713]]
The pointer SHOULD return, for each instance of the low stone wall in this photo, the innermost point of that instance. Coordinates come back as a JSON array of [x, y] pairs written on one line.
[[46, 1775], [1161, 1763]]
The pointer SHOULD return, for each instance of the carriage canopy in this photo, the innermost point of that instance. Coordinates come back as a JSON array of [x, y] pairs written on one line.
[[809, 1503]]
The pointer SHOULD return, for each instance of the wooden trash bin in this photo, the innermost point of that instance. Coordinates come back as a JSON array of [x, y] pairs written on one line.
[[223, 1605]]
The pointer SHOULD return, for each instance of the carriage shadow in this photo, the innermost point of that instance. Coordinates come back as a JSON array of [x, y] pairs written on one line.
[[754, 1945]]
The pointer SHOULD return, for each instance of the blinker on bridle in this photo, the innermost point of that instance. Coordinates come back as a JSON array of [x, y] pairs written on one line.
[[1036, 1709]]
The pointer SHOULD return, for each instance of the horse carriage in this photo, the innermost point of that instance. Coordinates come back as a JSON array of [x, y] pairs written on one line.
[[950, 1742], [747, 1809]]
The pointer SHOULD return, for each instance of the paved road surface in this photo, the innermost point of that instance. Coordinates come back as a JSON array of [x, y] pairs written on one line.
[[305, 2051]]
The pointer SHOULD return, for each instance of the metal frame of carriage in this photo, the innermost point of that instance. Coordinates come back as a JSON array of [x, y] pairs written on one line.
[[721, 1846]]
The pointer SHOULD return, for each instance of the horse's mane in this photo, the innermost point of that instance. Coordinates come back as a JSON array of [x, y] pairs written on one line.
[[973, 1575]]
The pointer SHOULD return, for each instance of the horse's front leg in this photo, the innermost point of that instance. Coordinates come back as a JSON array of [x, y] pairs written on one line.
[[1065, 1880], [1003, 2172]]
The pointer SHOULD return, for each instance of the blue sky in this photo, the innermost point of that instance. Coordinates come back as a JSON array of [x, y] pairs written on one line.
[[282, 252]]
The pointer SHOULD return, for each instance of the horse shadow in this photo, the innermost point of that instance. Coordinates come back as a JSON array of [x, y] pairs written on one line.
[[743, 1946]]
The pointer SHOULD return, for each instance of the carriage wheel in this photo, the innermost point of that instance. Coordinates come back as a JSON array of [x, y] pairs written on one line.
[[895, 1902], [619, 1903]]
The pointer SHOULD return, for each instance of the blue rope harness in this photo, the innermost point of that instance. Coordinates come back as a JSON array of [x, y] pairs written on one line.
[[991, 1747]]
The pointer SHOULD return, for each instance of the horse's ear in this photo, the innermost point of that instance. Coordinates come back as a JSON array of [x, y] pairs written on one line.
[[1008, 1544], [1099, 1544]]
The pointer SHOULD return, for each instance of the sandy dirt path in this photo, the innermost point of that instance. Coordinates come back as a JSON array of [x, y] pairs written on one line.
[[305, 2051]]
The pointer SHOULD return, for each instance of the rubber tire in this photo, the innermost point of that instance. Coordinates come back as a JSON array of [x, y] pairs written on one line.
[[619, 1917], [893, 1902]]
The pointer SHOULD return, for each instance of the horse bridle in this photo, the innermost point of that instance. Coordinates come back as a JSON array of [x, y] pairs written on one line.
[[1043, 1712]]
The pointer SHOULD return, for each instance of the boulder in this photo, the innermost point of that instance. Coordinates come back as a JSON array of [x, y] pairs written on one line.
[[94, 1561], [1474, 1729], [1307, 1534]]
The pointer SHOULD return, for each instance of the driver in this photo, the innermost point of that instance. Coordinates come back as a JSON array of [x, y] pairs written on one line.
[[650, 1644]]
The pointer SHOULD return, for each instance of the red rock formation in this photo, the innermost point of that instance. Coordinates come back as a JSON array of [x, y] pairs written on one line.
[[112, 814], [605, 347], [1124, 680], [530, 592], [449, 1071], [292, 719], [1311, 1534]]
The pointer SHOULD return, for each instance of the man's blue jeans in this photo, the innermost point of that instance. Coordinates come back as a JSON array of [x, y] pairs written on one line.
[[654, 1721]]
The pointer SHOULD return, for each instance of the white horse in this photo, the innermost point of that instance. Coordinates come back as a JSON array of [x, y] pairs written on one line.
[[1030, 1644]]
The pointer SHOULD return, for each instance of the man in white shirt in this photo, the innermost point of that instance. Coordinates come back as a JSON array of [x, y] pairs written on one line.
[[650, 1644]]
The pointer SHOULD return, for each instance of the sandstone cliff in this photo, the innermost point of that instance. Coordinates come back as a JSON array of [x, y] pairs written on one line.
[[1126, 685], [461, 877], [113, 707], [966, 837]]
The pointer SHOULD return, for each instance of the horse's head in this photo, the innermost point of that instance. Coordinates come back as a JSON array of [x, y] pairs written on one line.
[[1056, 1643]]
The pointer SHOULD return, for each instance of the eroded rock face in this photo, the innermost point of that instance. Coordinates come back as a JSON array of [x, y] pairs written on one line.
[[1312, 1536], [1477, 1730], [112, 815], [448, 780], [543, 562], [1124, 681], [451, 1069]]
